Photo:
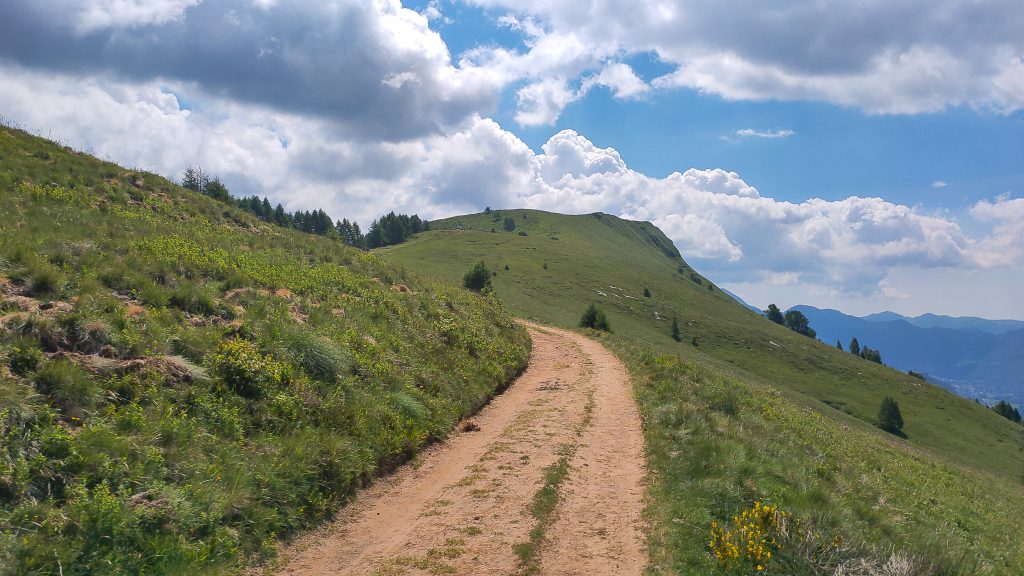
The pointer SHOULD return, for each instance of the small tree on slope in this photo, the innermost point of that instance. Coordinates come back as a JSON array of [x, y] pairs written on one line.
[[594, 317], [478, 279], [889, 417]]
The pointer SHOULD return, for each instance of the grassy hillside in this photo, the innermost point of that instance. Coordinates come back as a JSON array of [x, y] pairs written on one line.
[[181, 384], [744, 409]]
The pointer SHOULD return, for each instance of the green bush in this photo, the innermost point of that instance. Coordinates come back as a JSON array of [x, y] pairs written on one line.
[[478, 279], [84, 335], [594, 317]]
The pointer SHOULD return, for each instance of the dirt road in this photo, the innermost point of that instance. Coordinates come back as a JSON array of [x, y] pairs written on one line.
[[466, 506]]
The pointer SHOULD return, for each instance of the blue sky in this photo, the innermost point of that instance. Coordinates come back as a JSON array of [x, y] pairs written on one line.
[[862, 156]]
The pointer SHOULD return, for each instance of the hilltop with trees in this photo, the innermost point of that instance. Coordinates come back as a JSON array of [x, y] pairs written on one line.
[[387, 230]]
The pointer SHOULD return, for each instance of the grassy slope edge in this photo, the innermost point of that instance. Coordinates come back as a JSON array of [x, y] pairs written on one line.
[[181, 384], [755, 411]]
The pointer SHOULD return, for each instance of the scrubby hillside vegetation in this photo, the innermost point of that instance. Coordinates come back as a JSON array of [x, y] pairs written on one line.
[[764, 443], [181, 384]]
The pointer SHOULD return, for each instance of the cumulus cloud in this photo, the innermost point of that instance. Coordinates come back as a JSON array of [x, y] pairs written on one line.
[[375, 69], [620, 79], [903, 57], [939, 184], [1004, 244], [542, 102], [568, 154], [300, 161]]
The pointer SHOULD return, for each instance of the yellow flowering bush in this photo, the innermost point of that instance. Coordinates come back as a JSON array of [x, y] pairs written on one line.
[[749, 540]]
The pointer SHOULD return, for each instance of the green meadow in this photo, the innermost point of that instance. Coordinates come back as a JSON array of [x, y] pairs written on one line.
[[742, 410]]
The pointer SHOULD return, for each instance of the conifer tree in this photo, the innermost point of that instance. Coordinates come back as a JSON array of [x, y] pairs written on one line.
[[889, 417], [478, 279], [594, 317], [1006, 410]]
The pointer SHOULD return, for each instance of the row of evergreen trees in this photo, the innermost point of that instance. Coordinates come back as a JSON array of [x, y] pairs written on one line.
[[863, 351], [796, 321], [1007, 410], [387, 230], [792, 319]]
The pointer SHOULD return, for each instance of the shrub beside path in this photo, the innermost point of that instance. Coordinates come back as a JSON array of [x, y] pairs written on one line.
[[467, 506]]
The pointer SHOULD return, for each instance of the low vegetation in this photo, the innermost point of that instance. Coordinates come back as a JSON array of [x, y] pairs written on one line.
[[182, 384]]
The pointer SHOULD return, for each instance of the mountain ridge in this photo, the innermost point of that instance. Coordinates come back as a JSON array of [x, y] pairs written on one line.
[[930, 320]]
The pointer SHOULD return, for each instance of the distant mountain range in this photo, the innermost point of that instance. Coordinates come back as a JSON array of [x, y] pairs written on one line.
[[953, 322], [974, 357]]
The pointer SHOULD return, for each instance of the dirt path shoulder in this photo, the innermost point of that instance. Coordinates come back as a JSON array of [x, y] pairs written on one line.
[[465, 505]]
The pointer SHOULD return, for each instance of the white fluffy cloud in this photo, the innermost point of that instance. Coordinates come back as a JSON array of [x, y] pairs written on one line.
[[900, 57], [1004, 244], [542, 102], [620, 79]]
